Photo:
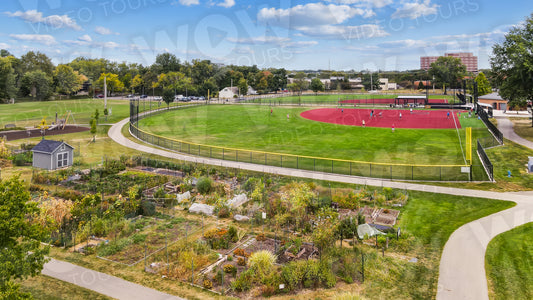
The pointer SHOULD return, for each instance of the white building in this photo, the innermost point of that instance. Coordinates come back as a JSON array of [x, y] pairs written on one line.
[[228, 93], [385, 85]]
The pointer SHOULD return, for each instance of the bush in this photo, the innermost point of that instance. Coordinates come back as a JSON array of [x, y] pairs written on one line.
[[260, 237], [233, 234], [228, 268], [204, 185], [241, 261], [262, 263], [208, 284], [138, 238]]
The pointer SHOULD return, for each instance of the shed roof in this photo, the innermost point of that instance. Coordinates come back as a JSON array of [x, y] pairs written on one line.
[[49, 146], [491, 96]]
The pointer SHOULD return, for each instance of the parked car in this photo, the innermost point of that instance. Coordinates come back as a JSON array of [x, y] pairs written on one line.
[[158, 98], [129, 96], [201, 98], [100, 96], [144, 96]]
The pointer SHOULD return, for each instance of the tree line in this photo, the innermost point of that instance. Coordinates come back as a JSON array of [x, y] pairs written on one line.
[[34, 75]]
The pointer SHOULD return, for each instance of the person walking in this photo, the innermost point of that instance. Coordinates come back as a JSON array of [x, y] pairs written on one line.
[[392, 127], [400, 116], [364, 123]]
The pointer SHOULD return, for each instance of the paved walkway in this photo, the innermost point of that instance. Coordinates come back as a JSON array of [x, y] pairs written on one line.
[[506, 127], [102, 283], [462, 267]]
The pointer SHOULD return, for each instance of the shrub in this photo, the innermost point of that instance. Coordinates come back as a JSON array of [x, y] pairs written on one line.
[[228, 268], [262, 263], [233, 234], [230, 258], [223, 212], [260, 237], [138, 238], [208, 284], [244, 282], [241, 261], [240, 252], [204, 185]]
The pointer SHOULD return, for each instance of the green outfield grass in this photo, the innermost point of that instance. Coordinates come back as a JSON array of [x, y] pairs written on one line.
[[333, 98], [508, 264], [251, 127]]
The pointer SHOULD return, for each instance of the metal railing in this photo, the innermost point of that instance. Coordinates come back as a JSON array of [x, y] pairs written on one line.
[[485, 161], [493, 129], [301, 162]]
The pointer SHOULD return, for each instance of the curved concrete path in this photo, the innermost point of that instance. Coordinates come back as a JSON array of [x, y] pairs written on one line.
[[506, 127], [102, 283], [462, 267]]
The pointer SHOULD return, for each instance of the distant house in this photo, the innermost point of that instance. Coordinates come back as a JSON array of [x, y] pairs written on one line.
[[251, 91], [52, 155], [228, 92], [494, 100]]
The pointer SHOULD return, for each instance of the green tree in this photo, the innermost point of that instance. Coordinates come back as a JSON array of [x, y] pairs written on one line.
[[8, 87], [113, 82], [66, 80], [166, 62], [243, 86], [168, 96], [447, 70], [483, 84], [37, 84], [512, 63], [316, 85], [137, 83], [96, 115], [106, 113], [22, 255], [33, 61], [93, 128]]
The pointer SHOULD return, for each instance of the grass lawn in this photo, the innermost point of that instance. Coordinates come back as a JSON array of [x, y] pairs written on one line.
[[43, 287], [508, 264], [427, 221], [324, 98], [522, 127], [28, 114], [511, 157], [252, 128]]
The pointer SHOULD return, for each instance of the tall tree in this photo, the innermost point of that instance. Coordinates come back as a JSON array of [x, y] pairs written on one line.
[[137, 83], [243, 86], [37, 84], [113, 82], [33, 61], [512, 63], [66, 80], [22, 255], [447, 70], [8, 87], [166, 62], [316, 85], [483, 84]]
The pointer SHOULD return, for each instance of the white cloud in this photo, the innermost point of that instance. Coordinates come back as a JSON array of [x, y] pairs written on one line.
[[259, 40], [37, 38], [104, 31], [364, 31], [414, 10], [186, 2], [85, 38], [311, 14], [4, 46], [227, 3], [365, 3], [300, 44], [56, 21]]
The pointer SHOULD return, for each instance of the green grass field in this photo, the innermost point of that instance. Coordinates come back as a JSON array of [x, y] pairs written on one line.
[[29, 114], [251, 127], [334, 98], [427, 222], [508, 264]]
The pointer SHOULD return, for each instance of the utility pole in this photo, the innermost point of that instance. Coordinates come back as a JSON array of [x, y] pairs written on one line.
[[105, 92]]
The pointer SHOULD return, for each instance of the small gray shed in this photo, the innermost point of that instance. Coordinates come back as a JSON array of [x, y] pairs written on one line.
[[52, 155]]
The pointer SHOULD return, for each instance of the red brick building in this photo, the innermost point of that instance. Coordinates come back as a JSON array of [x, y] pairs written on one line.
[[468, 59]]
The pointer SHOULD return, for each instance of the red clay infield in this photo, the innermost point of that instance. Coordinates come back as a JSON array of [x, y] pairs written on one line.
[[436, 119]]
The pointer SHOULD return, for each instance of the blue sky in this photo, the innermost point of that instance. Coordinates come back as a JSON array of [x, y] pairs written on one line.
[[336, 34]]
